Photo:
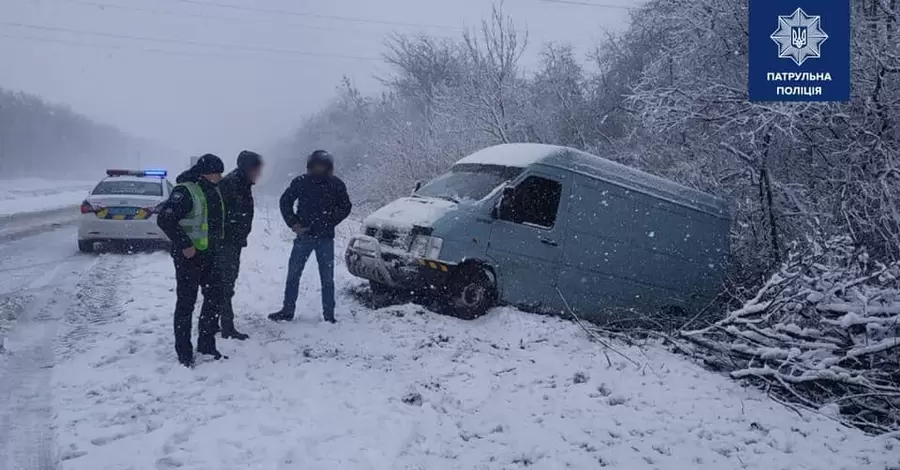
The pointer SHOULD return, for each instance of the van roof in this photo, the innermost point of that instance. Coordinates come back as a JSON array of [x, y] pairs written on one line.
[[524, 155]]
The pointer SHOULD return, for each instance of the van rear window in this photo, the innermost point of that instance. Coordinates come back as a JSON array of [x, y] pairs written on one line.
[[468, 181], [133, 188]]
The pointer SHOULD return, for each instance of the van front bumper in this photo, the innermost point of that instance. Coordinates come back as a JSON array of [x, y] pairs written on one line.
[[367, 258]]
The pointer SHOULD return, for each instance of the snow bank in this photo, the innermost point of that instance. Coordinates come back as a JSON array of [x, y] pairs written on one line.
[[400, 387], [35, 195]]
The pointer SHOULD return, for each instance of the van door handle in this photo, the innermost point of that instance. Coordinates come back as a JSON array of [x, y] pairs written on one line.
[[547, 241]]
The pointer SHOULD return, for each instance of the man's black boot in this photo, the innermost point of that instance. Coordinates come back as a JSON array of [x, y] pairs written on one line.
[[281, 315]]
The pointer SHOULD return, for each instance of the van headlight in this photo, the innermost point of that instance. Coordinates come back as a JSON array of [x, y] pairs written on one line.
[[425, 246]]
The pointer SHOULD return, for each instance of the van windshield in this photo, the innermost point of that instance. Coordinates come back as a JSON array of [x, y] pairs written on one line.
[[468, 182]]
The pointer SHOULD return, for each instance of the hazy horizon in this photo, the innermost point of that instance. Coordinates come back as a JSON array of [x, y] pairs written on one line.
[[162, 71]]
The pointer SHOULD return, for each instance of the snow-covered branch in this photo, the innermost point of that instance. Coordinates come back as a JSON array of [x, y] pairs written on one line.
[[828, 335]]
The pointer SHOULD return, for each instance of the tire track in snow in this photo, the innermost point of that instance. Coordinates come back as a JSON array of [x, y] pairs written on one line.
[[75, 289], [97, 303]]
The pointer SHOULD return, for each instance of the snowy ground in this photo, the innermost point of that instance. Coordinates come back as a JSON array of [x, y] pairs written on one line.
[[394, 388], [33, 194]]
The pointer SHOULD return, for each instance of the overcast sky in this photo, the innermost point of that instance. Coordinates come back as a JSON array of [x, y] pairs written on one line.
[[163, 69]]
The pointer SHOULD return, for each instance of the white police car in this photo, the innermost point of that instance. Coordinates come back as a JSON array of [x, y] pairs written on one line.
[[122, 208]]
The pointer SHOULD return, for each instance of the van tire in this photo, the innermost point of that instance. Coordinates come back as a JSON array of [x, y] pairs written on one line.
[[472, 292], [382, 290], [85, 246]]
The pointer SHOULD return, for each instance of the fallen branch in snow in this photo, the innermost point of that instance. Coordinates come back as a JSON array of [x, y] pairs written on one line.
[[823, 333], [592, 333]]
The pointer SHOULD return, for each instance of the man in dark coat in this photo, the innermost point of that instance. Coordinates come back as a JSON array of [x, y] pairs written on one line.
[[237, 191], [194, 220], [312, 206]]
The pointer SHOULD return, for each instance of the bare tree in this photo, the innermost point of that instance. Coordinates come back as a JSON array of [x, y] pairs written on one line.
[[494, 80]]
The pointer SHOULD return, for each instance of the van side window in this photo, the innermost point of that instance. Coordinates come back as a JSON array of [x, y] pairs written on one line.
[[535, 202]]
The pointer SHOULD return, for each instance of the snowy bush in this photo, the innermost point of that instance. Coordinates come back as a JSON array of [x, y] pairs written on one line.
[[823, 332]]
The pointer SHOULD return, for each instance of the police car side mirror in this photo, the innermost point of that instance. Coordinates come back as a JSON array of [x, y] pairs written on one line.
[[418, 185]]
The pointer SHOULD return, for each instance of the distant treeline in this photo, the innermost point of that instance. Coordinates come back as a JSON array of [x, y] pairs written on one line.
[[39, 139]]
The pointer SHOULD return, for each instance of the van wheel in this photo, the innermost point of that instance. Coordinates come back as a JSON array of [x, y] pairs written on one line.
[[472, 292], [382, 290], [85, 246]]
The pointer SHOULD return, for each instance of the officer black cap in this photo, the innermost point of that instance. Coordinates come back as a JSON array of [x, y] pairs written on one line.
[[209, 164]]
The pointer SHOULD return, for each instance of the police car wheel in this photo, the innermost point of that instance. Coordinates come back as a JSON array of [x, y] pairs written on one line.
[[472, 293], [85, 246]]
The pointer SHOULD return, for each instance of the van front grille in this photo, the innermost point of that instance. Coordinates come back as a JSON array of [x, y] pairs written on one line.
[[385, 236]]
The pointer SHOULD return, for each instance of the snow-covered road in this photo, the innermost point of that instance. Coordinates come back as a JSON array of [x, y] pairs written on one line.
[[93, 384], [25, 195], [41, 280]]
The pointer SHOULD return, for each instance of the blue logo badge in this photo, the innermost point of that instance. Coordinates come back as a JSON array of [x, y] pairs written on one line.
[[799, 50]]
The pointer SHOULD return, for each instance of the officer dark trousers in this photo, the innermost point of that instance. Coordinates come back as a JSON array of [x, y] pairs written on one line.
[[191, 274]]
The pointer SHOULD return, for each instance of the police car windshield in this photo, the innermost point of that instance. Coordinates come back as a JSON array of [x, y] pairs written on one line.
[[468, 181], [131, 188]]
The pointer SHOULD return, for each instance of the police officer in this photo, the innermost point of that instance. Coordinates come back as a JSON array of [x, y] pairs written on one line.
[[237, 191], [194, 220]]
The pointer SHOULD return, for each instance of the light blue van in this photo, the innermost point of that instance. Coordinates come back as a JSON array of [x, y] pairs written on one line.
[[548, 229]]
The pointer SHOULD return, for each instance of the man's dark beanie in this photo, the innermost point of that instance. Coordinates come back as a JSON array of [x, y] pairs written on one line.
[[248, 160], [209, 164]]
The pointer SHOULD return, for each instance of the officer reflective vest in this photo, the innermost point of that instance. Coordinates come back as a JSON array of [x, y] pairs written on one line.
[[196, 223]]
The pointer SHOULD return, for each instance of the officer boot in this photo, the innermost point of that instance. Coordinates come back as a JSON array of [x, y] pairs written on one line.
[[185, 351], [228, 331], [207, 345]]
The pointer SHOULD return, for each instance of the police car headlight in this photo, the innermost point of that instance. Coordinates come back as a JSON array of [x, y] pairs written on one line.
[[425, 246]]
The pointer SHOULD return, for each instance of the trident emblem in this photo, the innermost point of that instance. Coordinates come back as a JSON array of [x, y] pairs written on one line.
[[798, 36]]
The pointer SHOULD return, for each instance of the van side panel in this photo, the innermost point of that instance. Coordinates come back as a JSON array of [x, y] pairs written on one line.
[[678, 248], [629, 250], [597, 257]]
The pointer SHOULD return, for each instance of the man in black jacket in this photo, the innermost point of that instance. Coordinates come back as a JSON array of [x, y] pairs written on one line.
[[237, 191], [194, 220], [312, 206]]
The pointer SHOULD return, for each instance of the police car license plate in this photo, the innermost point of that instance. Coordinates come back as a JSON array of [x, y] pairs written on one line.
[[123, 211]]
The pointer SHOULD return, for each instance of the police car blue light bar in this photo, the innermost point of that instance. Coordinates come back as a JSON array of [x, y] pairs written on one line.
[[154, 172]]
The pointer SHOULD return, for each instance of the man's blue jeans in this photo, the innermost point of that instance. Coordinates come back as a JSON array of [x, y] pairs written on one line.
[[304, 245]]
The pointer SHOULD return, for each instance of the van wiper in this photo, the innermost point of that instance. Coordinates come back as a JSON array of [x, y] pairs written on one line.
[[448, 198]]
